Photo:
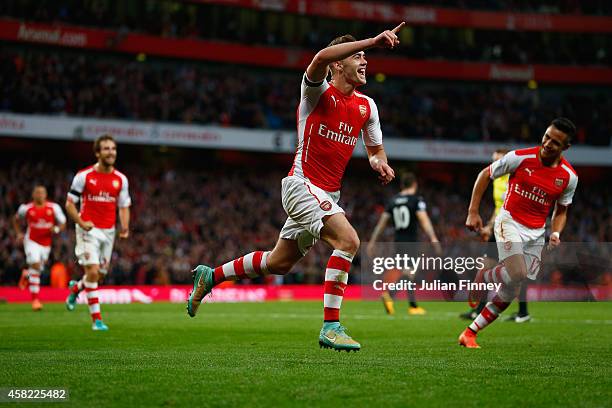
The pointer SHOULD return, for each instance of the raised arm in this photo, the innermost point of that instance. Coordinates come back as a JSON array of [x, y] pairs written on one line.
[[317, 70]]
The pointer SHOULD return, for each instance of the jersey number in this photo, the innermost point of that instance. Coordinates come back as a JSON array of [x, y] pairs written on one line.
[[401, 217]]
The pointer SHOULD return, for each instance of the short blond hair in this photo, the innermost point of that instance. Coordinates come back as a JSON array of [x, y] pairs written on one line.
[[342, 39], [346, 38]]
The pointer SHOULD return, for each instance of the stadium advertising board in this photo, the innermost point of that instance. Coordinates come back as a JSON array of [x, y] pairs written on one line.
[[213, 137], [263, 293]]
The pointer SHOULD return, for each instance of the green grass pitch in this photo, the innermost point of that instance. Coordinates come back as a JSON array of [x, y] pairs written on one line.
[[267, 355]]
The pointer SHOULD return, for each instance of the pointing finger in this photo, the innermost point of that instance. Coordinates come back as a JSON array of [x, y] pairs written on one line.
[[399, 27]]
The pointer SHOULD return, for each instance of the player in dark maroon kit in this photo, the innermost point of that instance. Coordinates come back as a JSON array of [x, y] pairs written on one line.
[[539, 177], [331, 118]]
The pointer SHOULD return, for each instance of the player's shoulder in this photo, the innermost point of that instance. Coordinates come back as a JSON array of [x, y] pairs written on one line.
[[522, 157], [527, 152], [86, 170], [402, 198], [568, 167], [314, 84], [393, 200], [119, 174], [365, 97], [27, 206], [417, 199], [420, 203]]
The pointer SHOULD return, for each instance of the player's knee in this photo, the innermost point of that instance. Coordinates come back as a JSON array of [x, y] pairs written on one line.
[[516, 267], [91, 273], [518, 274], [37, 266], [349, 243]]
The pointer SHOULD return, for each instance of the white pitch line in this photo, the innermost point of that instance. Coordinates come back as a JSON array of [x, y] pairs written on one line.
[[443, 316]]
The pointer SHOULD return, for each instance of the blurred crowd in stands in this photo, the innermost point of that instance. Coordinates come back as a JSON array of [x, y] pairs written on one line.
[[248, 26], [33, 81], [184, 217]]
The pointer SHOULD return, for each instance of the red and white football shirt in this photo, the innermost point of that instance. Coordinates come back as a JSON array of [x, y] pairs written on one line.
[[40, 220], [533, 187], [100, 195], [329, 124]]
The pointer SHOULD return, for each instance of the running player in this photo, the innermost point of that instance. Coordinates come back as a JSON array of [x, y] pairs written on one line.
[[500, 185], [331, 118], [100, 189], [43, 218], [403, 210], [539, 177]]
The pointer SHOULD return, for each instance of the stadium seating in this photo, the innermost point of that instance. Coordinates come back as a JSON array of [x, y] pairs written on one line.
[[169, 234], [62, 82]]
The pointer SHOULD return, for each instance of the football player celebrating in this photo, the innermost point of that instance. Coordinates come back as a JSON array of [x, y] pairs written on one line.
[[100, 189], [332, 116], [539, 177]]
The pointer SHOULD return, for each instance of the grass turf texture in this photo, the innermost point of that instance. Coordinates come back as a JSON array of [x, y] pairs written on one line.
[[268, 355]]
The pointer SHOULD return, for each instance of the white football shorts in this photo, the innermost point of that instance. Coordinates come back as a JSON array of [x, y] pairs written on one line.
[[514, 238], [94, 247], [306, 205], [35, 253]]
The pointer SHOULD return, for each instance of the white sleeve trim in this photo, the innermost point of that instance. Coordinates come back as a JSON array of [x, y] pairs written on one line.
[[77, 187], [22, 210], [421, 206], [310, 96], [124, 195], [507, 164], [372, 134], [567, 196], [59, 214]]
